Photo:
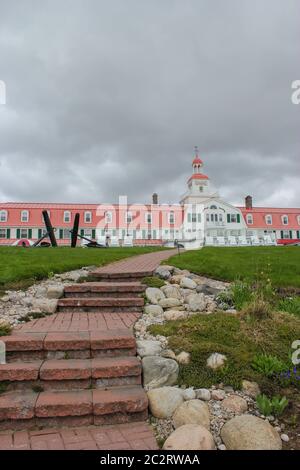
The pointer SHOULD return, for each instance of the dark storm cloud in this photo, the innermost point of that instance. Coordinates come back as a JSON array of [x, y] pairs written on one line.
[[107, 98]]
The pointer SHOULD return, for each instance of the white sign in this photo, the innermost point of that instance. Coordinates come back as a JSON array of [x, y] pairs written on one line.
[[296, 354]]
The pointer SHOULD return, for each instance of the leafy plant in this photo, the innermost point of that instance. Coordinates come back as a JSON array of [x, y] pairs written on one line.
[[153, 281], [267, 365], [258, 309], [271, 406], [290, 305], [242, 294], [5, 328]]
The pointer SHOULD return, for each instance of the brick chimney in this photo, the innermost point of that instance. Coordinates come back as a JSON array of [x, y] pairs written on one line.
[[248, 202], [155, 198]]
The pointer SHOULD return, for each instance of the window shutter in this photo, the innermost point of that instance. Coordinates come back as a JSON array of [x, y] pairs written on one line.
[[8, 233], [154, 235], [61, 233], [39, 233], [189, 217], [82, 232], [281, 234], [228, 218], [30, 233], [298, 234], [238, 218], [18, 233], [291, 234], [93, 233]]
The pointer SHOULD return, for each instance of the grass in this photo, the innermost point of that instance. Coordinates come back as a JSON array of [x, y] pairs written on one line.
[[20, 267], [153, 281], [230, 264], [239, 338]]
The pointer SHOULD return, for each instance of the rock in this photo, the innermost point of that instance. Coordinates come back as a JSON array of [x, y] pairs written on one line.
[[221, 447], [231, 311], [168, 267], [203, 394], [154, 295], [197, 302], [218, 395], [235, 403], [176, 279], [183, 358], [250, 388], [170, 315], [187, 283], [163, 272], [169, 303], [284, 437], [45, 305], [247, 432], [171, 291], [154, 310], [164, 401], [207, 290], [189, 394], [55, 292], [192, 412], [168, 353], [148, 348], [159, 371], [215, 361], [190, 437]]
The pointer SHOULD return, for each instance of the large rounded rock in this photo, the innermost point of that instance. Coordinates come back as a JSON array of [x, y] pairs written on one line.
[[197, 302], [188, 283], [163, 272], [172, 291], [247, 432], [164, 401], [55, 291], [169, 303], [148, 348], [45, 305], [192, 412], [216, 361], [250, 388], [159, 371], [154, 310], [190, 437], [235, 403], [154, 295], [175, 315]]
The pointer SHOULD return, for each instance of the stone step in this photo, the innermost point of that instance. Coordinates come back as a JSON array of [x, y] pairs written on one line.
[[104, 289], [107, 304], [78, 345], [70, 374], [121, 277], [27, 410]]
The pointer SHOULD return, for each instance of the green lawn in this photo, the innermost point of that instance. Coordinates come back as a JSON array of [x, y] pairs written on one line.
[[20, 267], [282, 264]]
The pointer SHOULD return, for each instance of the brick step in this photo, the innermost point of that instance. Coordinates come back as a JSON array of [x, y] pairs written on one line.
[[71, 374], [107, 304], [104, 289], [78, 345], [121, 277], [27, 410]]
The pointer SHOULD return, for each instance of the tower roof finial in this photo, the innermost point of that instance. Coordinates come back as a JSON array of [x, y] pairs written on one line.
[[197, 160]]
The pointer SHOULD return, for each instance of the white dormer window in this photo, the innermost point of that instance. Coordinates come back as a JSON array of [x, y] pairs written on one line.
[[108, 217], [148, 218], [24, 216], [88, 217], [250, 219], [3, 216], [128, 217], [285, 220], [67, 217], [298, 219], [171, 217], [268, 219]]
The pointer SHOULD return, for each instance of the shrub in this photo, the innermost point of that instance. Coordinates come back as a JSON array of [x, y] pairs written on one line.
[[290, 305], [258, 309], [153, 281], [274, 406], [241, 294], [267, 365], [5, 328]]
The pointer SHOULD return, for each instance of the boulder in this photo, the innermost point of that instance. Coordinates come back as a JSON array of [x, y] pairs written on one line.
[[163, 272], [169, 303], [154, 295], [154, 310], [175, 315], [235, 403], [207, 290], [171, 291], [183, 358], [203, 394], [55, 292], [216, 361], [197, 302], [248, 432], [250, 388], [187, 283], [218, 395], [168, 353], [190, 437], [164, 401], [189, 394], [45, 305], [148, 348], [159, 371], [176, 279], [192, 412]]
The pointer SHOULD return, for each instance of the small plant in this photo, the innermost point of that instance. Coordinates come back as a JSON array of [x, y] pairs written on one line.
[[267, 365], [258, 309], [271, 406], [290, 305], [50, 274], [242, 294], [153, 281], [33, 316], [5, 328], [37, 388]]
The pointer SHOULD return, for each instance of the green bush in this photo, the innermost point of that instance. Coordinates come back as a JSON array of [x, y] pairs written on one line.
[[267, 365], [274, 406], [5, 328], [290, 305], [242, 294], [153, 281], [258, 309]]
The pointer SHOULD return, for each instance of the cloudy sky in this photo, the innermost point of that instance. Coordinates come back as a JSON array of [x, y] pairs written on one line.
[[109, 97]]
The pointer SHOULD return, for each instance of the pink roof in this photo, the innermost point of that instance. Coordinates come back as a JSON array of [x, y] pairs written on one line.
[[198, 176], [259, 217], [197, 161]]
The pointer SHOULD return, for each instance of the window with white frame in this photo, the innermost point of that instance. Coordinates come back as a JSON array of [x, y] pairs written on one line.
[[171, 217], [285, 219], [298, 219], [24, 216], [88, 217], [249, 219], [66, 234], [3, 216], [268, 219], [128, 217], [67, 217], [24, 233], [2, 232], [148, 218], [108, 217]]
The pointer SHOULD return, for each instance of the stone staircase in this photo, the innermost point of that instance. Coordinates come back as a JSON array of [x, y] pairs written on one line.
[[77, 378]]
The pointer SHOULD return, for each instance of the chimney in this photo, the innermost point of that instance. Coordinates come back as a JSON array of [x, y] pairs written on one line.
[[248, 202], [155, 198]]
